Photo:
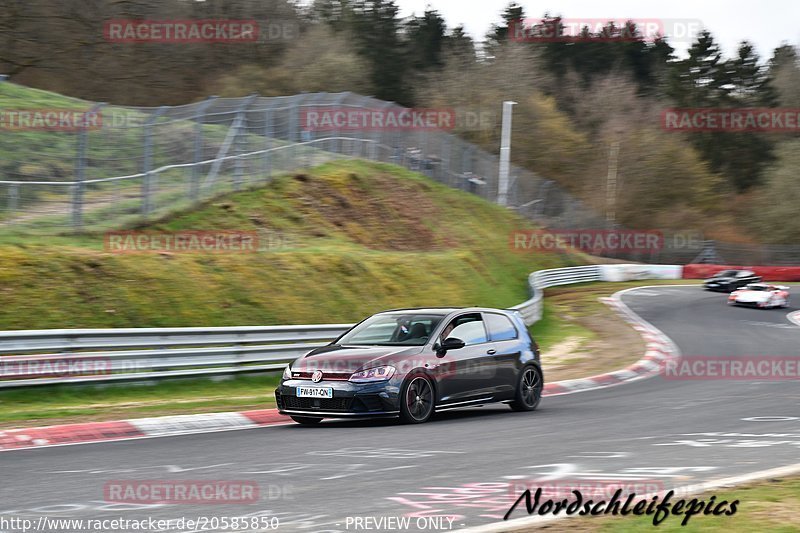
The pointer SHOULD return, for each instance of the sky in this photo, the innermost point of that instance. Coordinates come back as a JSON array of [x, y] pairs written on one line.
[[765, 23]]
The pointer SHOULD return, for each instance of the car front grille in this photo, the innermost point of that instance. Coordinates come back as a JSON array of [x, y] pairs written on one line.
[[327, 376], [316, 404]]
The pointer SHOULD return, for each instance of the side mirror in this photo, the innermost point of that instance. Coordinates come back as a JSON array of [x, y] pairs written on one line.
[[450, 343]]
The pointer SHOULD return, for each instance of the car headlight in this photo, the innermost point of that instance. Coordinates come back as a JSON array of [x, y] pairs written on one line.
[[379, 373], [287, 372]]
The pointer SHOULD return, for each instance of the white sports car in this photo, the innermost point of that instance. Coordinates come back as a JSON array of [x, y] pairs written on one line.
[[761, 295]]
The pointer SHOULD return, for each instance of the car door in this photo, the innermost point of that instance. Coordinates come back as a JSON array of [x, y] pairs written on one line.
[[507, 348], [467, 373]]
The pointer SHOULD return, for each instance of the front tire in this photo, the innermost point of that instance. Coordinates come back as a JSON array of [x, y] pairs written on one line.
[[306, 420], [416, 400], [530, 384]]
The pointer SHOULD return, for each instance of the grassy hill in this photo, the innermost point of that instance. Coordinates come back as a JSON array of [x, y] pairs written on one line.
[[363, 237]]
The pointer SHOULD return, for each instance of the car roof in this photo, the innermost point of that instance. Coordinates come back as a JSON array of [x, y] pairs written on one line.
[[446, 310]]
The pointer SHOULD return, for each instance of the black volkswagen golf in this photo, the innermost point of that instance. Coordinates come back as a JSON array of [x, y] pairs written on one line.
[[408, 363]]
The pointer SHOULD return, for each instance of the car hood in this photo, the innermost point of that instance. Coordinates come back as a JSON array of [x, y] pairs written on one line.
[[753, 296], [348, 359]]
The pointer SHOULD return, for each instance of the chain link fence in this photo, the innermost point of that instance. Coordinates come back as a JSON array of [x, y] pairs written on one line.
[[116, 167], [722, 253]]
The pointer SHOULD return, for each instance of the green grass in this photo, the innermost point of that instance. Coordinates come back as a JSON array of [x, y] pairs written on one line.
[[362, 236], [770, 506], [40, 406], [365, 237], [555, 328]]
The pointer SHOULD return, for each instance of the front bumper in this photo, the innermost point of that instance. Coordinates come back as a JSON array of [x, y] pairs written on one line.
[[754, 305], [349, 399]]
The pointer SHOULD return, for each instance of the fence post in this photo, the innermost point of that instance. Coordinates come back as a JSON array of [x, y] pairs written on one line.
[[336, 132], [13, 197], [709, 254], [13, 189], [308, 136], [294, 120], [269, 134], [194, 185], [241, 118], [147, 161], [445, 166], [80, 169]]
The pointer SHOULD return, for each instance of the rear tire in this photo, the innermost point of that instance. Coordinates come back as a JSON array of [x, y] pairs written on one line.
[[416, 400], [306, 420], [530, 384]]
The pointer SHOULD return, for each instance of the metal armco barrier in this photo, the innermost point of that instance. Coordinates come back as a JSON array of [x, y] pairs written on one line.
[[49, 357], [531, 310], [55, 356]]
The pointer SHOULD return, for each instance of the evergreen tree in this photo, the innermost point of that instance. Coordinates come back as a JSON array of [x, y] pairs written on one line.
[[377, 32], [426, 37]]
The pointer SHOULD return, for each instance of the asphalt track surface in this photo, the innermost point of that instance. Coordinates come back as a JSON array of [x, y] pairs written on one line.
[[464, 464]]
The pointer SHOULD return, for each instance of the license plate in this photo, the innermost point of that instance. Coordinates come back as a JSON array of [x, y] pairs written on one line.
[[314, 392]]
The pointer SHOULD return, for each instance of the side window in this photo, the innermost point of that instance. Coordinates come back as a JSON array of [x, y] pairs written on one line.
[[500, 327], [468, 328]]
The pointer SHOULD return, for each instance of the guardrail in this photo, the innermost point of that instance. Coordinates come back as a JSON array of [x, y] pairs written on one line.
[[531, 310], [62, 356], [157, 352]]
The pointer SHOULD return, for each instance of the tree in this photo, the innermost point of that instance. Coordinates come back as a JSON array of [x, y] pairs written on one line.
[[698, 80], [705, 80], [459, 44], [498, 34], [784, 75], [425, 38], [377, 33], [775, 209]]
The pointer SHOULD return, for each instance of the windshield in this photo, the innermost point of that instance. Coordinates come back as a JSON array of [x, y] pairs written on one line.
[[402, 329], [725, 274], [757, 287]]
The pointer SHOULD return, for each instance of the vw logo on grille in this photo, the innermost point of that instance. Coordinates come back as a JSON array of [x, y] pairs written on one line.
[[316, 377]]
